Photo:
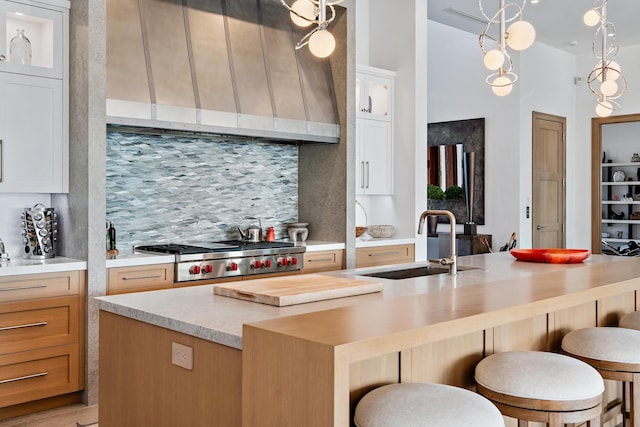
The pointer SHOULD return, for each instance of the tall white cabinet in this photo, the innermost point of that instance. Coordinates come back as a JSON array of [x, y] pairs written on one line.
[[34, 106], [374, 131]]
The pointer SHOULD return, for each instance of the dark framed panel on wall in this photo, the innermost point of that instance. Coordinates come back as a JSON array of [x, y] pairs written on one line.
[[447, 141]]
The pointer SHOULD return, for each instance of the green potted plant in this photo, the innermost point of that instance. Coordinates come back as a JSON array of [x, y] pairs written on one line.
[[453, 192], [434, 192]]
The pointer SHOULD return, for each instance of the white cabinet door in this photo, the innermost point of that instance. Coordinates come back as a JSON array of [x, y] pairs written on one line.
[[34, 152], [46, 30], [374, 157], [374, 93]]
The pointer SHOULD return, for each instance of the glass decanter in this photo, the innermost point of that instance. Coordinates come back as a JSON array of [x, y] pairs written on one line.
[[20, 49]]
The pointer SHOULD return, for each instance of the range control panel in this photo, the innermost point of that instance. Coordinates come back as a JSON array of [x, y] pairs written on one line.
[[235, 267]]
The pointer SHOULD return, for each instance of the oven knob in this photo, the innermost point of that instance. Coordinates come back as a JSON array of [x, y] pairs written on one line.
[[256, 264], [283, 262], [294, 261], [195, 269], [267, 263], [232, 267], [208, 268]]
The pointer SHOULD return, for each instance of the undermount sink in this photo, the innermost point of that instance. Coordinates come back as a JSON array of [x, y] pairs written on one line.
[[408, 273]]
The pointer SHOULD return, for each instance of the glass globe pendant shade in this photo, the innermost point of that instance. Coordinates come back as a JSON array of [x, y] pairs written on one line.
[[303, 8], [604, 109], [609, 87], [493, 59], [520, 35], [591, 18], [322, 43], [502, 86], [613, 70]]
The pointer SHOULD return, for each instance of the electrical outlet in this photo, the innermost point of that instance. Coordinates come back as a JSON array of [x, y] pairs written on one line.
[[182, 355]]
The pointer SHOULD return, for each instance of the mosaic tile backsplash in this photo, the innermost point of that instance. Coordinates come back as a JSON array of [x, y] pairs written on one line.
[[175, 189]]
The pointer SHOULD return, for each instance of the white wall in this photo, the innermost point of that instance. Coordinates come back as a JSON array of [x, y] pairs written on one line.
[[457, 91], [11, 207], [547, 86]]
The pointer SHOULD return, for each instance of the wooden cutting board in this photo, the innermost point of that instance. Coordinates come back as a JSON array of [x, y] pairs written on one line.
[[297, 289]]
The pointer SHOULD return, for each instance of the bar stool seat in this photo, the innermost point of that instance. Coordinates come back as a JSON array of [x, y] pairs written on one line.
[[630, 321], [542, 387], [421, 404], [615, 353]]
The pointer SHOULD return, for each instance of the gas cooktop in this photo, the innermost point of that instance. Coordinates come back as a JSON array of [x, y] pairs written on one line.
[[223, 246]]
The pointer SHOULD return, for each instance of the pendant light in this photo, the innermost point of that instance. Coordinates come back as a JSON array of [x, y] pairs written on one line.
[[520, 35], [305, 13], [605, 80]]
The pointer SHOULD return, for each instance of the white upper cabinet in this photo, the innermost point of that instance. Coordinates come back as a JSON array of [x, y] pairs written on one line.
[[374, 131], [374, 93], [34, 106], [43, 24]]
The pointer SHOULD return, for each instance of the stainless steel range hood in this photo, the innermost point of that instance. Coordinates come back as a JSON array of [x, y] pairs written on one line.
[[216, 66]]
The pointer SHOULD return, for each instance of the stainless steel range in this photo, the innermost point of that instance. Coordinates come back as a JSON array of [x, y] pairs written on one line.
[[230, 258]]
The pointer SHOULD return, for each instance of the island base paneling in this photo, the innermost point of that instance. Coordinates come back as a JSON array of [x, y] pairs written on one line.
[[305, 382], [369, 374], [451, 361], [135, 360]]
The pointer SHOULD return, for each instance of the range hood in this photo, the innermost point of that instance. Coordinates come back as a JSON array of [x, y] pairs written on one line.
[[216, 66]]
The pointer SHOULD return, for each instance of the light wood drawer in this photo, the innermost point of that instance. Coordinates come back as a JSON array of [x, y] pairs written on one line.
[[39, 323], [37, 374], [322, 261], [18, 288], [139, 278], [384, 255]]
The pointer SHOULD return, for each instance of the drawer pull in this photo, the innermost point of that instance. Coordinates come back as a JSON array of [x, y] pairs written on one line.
[[26, 377], [26, 325], [386, 253], [320, 260], [157, 276], [23, 288]]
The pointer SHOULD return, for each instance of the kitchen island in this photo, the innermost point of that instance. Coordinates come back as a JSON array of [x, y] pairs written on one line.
[[308, 364]]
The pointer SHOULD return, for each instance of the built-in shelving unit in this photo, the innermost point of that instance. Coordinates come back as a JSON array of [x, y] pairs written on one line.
[[616, 201]]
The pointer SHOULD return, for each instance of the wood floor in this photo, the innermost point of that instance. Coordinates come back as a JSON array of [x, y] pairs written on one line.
[[68, 416]]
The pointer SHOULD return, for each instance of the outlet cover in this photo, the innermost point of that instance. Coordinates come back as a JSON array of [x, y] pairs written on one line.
[[182, 355]]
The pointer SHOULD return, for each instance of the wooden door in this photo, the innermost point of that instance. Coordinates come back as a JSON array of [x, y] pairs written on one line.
[[548, 209]]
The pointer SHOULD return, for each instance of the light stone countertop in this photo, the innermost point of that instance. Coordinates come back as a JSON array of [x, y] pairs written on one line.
[[368, 242], [318, 245], [129, 259], [198, 312], [20, 266]]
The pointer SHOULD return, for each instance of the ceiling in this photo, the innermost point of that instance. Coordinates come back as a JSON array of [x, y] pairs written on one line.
[[558, 23]]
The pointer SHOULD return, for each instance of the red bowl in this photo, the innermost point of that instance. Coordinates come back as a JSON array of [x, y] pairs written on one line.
[[553, 256]]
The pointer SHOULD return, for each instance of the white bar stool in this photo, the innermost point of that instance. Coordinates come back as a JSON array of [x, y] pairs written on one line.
[[421, 405], [542, 387], [615, 353]]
